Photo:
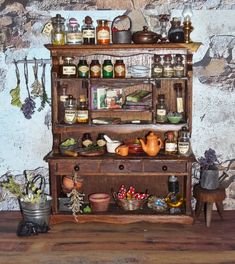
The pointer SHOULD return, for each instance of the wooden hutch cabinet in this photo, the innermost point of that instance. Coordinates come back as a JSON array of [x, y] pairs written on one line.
[[110, 171]]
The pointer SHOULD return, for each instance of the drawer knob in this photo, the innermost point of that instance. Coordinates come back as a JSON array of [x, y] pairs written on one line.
[[164, 168], [121, 167], [76, 168]]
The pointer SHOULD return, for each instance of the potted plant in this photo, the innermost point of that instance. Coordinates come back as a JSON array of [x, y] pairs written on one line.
[[209, 172], [34, 203]]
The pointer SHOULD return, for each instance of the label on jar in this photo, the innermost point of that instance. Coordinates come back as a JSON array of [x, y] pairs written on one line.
[[179, 71], [161, 112], [95, 69], [179, 102], [103, 34], [74, 38], [183, 147], [119, 69], [170, 147], [69, 70], [108, 68], [86, 142], [63, 98], [88, 33], [83, 69], [82, 116], [70, 116], [101, 142], [157, 70], [168, 72]]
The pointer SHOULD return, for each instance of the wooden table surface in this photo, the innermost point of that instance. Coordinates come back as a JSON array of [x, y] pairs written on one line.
[[139, 243]]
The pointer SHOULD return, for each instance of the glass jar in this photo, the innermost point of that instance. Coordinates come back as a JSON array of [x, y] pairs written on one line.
[[64, 94], [86, 140], [82, 112], [161, 115], [184, 146], [83, 69], [88, 31], [73, 36], [157, 68], [107, 69], [68, 69], [119, 69], [176, 32], [173, 184], [70, 112], [102, 32], [58, 30], [95, 69], [178, 66], [170, 143], [179, 98], [100, 140], [168, 69]]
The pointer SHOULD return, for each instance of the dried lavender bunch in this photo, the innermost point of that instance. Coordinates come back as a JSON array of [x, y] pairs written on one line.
[[209, 160], [28, 107]]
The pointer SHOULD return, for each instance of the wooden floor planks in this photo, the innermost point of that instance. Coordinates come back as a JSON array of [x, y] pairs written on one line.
[[138, 243]]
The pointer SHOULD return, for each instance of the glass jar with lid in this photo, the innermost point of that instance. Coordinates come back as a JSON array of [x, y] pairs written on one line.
[[95, 69], [176, 32], [68, 69], [178, 66], [168, 69], [119, 69], [58, 30], [161, 114], [157, 68], [184, 146], [82, 113], [103, 32], [107, 69], [170, 143], [88, 31], [83, 69], [70, 113], [73, 36]]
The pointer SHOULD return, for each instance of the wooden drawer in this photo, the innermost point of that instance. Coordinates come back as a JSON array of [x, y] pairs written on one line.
[[165, 166], [82, 166], [120, 166]]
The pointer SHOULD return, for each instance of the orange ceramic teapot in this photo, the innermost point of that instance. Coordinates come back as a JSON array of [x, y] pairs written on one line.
[[153, 144]]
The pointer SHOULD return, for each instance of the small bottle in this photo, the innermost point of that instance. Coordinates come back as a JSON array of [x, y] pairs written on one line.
[[58, 30], [184, 146], [102, 32], [170, 143], [86, 140], [68, 69], [100, 140], [119, 69], [107, 69], [179, 98], [83, 69], [178, 66], [88, 32], [95, 69], [82, 112], [70, 113], [64, 96], [168, 69], [161, 115], [73, 36], [176, 32], [157, 68], [173, 184]]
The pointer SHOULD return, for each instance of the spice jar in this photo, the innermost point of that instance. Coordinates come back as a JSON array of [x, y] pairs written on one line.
[[102, 32], [157, 68], [107, 69], [184, 146], [119, 69], [83, 69], [86, 140], [70, 112], [82, 112], [73, 36], [68, 69], [168, 70], [178, 66], [170, 143], [95, 69], [58, 30], [161, 115], [88, 31]]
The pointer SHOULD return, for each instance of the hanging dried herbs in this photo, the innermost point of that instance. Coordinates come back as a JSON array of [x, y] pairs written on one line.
[[15, 93], [36, 86], [44, 98]]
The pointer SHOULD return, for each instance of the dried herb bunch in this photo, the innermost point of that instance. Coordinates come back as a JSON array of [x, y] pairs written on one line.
[[209, 161]]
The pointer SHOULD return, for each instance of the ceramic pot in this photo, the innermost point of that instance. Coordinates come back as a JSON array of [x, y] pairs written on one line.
[[99, 202], [145, 37]]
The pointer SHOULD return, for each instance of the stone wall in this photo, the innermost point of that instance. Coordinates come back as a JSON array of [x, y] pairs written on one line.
[[26, 141]]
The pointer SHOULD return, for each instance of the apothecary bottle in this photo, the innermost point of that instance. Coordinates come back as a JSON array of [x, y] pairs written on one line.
[[95, 69], [157, 68], [184, 146], [173, 184], [161, 113], [176, 32], [73, 36], [107, 69], [88, 31], [178, 66], [179, 98], [103, 32], [168, 69], [170, 143], [68, 69], [119, 69], [100, 140], [58, 30], [86, 140], [64, 94], [82, 112], [83, 69], [70, 112]]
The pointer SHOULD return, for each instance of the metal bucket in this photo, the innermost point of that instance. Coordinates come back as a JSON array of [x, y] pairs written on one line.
[[121, 36], [37, 213]]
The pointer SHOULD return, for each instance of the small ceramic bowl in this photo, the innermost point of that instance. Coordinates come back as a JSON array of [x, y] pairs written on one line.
[[174, 118], [111, 146]]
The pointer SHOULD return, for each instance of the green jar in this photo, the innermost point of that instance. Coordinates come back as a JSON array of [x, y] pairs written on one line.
[[107, 69], [83, 69]]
